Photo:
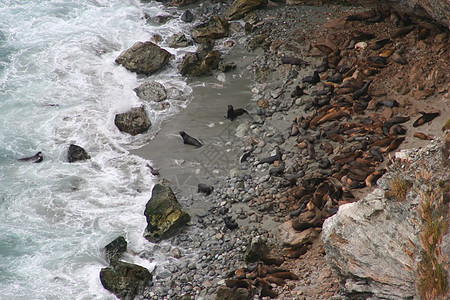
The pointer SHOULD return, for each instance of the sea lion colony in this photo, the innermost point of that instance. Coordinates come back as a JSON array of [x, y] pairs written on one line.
[[351, 127]]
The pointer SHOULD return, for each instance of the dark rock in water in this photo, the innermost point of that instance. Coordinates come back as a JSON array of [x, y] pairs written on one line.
[[240, 8], [215, 28], [178, 40], [125, 280], [144, 58], [179, 3], [205, 189], [187, 16], [194, 64], [133, 122], [206, 46], [77, 153], [164, 214], [151, 91], [115, 249], [256, 250]]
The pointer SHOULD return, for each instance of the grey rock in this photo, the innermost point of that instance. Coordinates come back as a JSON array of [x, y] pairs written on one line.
[[144, 58], [134, 121], [151, 91]]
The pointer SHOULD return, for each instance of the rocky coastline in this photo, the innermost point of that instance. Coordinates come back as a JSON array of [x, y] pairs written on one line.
[[320, 130]]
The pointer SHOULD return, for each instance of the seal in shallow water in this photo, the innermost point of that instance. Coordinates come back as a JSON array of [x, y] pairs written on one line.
[[234, 113], [190, 140], [37, 158]]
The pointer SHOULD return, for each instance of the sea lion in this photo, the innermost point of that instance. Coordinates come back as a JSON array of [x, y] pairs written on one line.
[[297, 92], [422, 136], [205, 189], [362, 91], [229, 223], [426, 117], [387, 103], [293, 61], [234, 113], [37, 158], [190, 140], [273, 158], [277, 170], [153, 171], [371, 180], [315, 78]]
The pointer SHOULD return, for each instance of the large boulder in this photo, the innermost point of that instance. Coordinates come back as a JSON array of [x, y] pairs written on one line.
[[215, 28], [125, 280], [197, 64], [151, 91], [367, 242], [164, 214], [240, 8], [144, 58], [134, 121], [76, 153]]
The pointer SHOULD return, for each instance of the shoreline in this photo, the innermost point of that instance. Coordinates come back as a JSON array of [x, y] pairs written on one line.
[[184, 169]]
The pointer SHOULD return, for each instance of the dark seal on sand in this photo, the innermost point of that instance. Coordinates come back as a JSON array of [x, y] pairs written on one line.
[[190, 140]]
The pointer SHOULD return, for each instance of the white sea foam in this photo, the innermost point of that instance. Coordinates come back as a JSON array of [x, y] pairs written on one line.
[[59, 85]]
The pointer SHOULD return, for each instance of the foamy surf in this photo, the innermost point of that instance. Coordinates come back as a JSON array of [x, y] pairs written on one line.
[[60, 85]]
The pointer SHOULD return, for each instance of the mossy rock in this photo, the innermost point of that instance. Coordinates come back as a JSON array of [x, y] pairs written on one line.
[[125, 280], [240, 8], [164, 214], [215, 28]]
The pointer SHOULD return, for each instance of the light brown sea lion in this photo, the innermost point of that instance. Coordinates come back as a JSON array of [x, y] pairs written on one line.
[[285, 275], [371, 180], [238, 283], [422, 136]]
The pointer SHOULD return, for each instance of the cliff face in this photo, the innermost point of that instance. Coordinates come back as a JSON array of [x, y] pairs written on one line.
[[375, 244], [365, 243], [438, 10]]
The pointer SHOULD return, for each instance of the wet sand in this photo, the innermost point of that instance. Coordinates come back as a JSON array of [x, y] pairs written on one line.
[[185, 166]]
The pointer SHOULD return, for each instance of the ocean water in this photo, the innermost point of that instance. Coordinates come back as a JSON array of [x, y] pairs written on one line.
[[59, 85]]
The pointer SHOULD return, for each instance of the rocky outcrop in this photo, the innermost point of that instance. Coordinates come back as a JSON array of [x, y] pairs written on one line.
[[133, 122], [240, 8], [151, 91], [367, 243], [164, 214], [197, 64], [125, 280], [76, 153], [215, 28], [144, 58]]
